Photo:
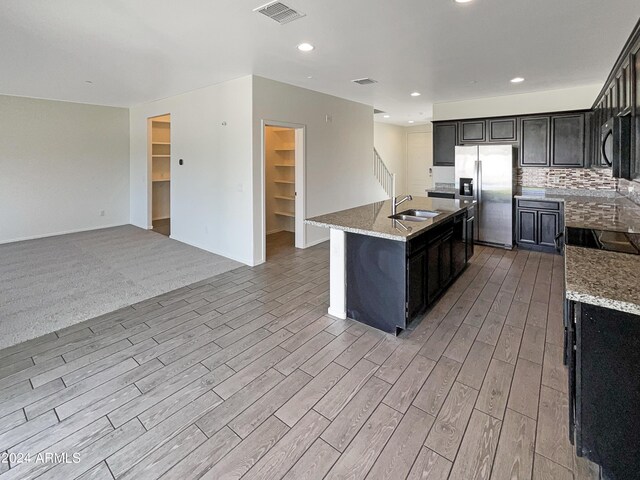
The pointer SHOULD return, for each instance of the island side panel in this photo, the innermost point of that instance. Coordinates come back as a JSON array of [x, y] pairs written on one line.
[[337, 274], [376, 286]]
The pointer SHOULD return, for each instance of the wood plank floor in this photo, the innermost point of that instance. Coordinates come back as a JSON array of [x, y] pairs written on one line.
[[244, 375]]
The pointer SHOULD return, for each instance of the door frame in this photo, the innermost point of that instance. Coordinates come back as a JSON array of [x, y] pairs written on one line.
[[300, 176], [150, 169]]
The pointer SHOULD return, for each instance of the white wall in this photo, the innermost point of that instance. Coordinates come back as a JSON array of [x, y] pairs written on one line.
[[339, 153], [211, 194], [391, 143], [61, 163], [576, 98]]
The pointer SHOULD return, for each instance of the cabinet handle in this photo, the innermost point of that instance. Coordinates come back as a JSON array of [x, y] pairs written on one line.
[[557, 242]]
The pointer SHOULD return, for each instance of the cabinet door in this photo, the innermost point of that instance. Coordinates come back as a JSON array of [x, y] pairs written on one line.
[[416, 283], [567, 140], [503, 130], [444, 144], [434, 286], [458, 251], [534, 143], [527, 226], [472, 131], [469, 238], [548, 227], [446, 267]]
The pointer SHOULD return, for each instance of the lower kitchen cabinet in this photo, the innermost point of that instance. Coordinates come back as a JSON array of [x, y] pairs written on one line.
[[603, 353], [389, 283], [538, 225]]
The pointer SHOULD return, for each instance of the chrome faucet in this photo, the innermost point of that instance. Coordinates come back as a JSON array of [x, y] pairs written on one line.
[[395, 202]]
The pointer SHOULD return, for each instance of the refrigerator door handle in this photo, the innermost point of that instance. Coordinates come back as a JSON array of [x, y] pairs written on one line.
[[478, 197]]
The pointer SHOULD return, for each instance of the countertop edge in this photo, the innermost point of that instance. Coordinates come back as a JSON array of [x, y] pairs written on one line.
[[603, 302], [369, 233]]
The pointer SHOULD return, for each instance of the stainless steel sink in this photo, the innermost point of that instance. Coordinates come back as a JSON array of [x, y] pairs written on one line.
[[414, 215], [421, 213], [409, 218]]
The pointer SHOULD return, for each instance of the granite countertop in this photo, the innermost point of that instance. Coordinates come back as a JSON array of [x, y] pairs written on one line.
[[373, 219], [442, 189], [605, 279]]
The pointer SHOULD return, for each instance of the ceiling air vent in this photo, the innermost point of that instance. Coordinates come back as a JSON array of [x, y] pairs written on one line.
[[279, 12], [364, 81]]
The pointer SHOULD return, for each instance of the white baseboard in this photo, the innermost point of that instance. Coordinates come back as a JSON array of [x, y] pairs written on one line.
[[65, 232]]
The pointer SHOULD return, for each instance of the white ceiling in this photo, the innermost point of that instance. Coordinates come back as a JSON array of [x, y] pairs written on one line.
[[135, 51]]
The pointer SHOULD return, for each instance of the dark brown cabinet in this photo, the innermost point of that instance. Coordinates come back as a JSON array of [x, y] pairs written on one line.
[[538, 224], [534, 141], [546, 140], [444, 144], [603, 357], [567, 140], [503, 130], [548, 228], [527, 227], [472, 131]]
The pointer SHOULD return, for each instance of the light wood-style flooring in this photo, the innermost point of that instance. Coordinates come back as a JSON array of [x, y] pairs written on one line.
[[245, 376]]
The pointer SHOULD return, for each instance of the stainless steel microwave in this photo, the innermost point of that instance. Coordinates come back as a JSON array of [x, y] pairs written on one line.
[[615, 146]]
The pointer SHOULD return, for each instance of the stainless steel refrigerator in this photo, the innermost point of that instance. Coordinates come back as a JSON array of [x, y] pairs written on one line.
[[487, 174]]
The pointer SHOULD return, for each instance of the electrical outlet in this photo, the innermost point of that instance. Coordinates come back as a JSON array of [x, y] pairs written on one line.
[[102, 213]]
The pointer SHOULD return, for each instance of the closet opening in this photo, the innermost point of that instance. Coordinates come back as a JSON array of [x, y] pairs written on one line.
[[283, 184], [160, 163]]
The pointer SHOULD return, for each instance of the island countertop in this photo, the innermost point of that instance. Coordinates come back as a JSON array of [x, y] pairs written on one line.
[[373, 219]]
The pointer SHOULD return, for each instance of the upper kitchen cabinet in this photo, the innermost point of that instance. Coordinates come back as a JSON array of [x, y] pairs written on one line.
[[535, 133], [473, 131], [568, 140], [503, 130], [620, 97], [445, 136], [547, 140]]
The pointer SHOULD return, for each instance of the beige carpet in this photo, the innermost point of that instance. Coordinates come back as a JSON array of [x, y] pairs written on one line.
[[51, 283]]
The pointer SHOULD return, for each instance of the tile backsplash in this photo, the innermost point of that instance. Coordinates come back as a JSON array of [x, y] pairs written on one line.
[[567, 178]]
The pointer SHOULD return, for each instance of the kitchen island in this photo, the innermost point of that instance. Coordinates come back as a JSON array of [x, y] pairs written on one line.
[[386, 271]]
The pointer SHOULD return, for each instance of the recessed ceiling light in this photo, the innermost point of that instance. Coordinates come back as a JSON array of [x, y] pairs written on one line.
[[517, 80], [386, 116], [463, 1], [88, 81], [415, 94], [410, 121], [305, 47], [310, 76]]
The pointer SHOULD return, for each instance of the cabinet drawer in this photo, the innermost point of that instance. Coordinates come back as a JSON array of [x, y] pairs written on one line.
[[539, 204]]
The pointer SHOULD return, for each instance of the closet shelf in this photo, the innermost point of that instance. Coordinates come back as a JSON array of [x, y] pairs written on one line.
[[160, 143], [282, 197], [161, 156], [286, 214], [284, 165], [285, 149], [287, 182], [161, 180]]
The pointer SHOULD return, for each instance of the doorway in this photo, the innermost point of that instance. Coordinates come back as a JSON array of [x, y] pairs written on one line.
[[419, 162], [283, 163], [160, 160]]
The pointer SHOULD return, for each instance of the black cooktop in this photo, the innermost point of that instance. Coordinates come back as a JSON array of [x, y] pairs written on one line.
[[609, 240]]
